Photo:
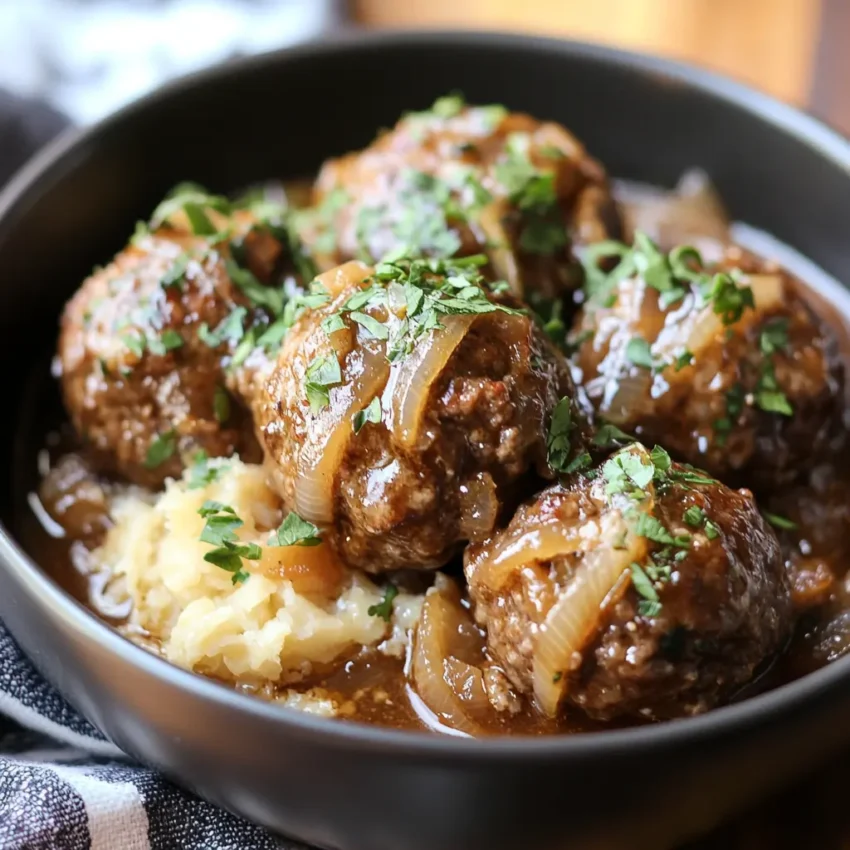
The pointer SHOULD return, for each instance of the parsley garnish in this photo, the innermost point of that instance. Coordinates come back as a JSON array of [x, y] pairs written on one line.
[[295, 531], [176, 273], [639, 352], [774, 336], [221, 405], [167, 341], [370, 413], [558, 441], [230, 329], [650, 603], [322, 374], [768, 396], [683, 360], [220, 532], [384, 609], [193, 199], [161, 449], [780, 522], [695, 516], [610, 435], [201, 473], [653, 529]]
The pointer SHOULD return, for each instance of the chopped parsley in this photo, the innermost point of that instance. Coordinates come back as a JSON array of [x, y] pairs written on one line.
[[295, 531], [768, 396], [220, 531], [780, 522], [653, 529], [176, 273], [230, 329], [448, 106], [221, 405], [167, 341], [695, 516], [684, 359], [650, 603], [322, 374], [608, 435], [136, 343], [384, 609], [638, 351], [193, 199], [774, 336], [370, 413], [201, 473], [558, 442], [161, 449]]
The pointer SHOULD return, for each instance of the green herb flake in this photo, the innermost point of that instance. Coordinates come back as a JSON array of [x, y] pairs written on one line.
[[136, 343], [712, 532], [608, 435], [176, 274], [220, 531], [653, 529], [779, 522], [650, 603], [774, 336], [322, 374], [221, 405], [695, 516], [683, 360], [384, 609], [201, 473], [639, 352], [558, 442], [294, 531], [370, 413], [161, 449]]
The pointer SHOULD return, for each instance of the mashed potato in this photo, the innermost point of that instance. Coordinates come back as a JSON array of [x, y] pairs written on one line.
[[296, 609]]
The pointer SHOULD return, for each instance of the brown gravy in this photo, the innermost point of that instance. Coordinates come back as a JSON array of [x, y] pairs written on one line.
[[374, 688]]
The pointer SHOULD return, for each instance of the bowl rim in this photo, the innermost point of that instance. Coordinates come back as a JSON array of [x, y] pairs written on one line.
[[786, 119]]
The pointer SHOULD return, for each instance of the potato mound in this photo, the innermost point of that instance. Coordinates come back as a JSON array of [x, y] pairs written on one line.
[[275, 626]]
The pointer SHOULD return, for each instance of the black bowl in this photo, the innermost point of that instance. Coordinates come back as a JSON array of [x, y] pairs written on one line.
[[344, 785]]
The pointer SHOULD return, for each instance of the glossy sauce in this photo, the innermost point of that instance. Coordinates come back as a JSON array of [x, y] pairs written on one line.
[[374, 688]]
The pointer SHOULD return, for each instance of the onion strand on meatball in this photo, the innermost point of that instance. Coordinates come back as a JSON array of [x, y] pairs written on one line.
[[641, 588]]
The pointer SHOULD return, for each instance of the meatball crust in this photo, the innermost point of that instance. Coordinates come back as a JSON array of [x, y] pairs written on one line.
[[647, 590], [726, 365], [458, 180], [144, 342], [403, 461]]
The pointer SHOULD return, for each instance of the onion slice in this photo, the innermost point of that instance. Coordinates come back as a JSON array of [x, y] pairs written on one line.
[[313, 570], [499, 246], [574, 618], [493, 566], [329, 433], [412, 379], [434, 670]]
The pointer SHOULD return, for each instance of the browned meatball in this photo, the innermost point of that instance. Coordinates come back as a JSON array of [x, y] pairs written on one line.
[[725, 365], [145, 341], [401, 408], [647, 590], [458, 180]]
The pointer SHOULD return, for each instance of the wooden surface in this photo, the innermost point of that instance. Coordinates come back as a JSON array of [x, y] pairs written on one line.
[[768, 43]]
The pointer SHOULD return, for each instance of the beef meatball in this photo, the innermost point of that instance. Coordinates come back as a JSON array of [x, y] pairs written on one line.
[[724, 364], [402, 405], [144, 342], [458, 180], [642, 589]]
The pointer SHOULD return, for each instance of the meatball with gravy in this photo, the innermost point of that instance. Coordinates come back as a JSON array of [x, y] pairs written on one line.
[[145, 341], [640, 589], [724, 364], [457, 180], [406, 407]]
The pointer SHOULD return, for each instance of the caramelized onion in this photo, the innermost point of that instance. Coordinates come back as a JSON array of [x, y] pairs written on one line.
[[441, 619], [330, 431], [413, 377], [574, 618], [499, 246], [311, 569], [467, 683], [479, 506], [495, 565]]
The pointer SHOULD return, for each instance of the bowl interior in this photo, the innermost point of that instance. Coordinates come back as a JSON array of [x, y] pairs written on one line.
[[280, 116]]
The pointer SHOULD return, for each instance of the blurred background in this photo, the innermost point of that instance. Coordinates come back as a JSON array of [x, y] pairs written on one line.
[[86, 57]]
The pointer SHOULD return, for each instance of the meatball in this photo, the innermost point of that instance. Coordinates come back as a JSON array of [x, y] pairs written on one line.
[[724, 364], [642, 589], [144, 342], [458, 180], [403, 404]]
